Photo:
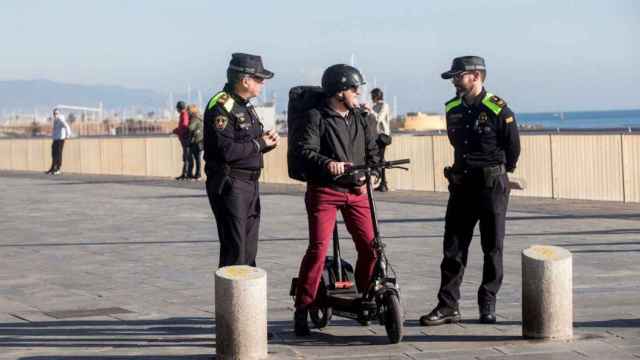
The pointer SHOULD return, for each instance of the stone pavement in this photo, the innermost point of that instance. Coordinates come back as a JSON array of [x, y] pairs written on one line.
[[105, 268]]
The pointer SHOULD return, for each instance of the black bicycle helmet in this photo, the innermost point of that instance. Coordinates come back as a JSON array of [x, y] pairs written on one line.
[[341, 77]]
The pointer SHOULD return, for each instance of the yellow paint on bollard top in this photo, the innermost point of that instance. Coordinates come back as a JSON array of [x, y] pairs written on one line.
[[240, 272], [547, 252]]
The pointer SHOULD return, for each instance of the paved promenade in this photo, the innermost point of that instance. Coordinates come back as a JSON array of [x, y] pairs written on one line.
[[106, 268]]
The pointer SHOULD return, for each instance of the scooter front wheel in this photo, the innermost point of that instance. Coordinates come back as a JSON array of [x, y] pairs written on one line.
[[320, 316], [393, 318]]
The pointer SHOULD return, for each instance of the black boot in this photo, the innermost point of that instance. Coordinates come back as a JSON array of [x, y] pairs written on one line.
[[440, 315], [300, 324], [488, 313]]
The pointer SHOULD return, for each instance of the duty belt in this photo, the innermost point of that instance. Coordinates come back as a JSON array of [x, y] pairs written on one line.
[[243, 174], [485, 171], [458, 177]]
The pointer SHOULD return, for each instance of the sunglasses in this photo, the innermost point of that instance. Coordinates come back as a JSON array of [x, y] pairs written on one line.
[[257, 79], [459, 76]]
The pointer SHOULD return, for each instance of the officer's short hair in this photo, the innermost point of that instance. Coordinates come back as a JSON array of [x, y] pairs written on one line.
[[234, 77]]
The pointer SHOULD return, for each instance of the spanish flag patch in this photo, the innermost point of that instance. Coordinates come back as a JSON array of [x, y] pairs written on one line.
[[509, 120]]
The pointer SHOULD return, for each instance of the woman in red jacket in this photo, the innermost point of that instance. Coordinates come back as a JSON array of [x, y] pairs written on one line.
[[182, 131]]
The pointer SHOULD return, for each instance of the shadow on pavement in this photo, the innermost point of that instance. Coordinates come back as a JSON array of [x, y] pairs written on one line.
[[123, 357], [183, 332]]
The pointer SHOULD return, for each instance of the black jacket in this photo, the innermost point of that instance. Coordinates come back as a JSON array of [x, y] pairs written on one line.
[[232, 133], [482, 134], [330, 137]]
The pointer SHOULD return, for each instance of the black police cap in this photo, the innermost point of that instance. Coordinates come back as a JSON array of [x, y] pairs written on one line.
[[464, 63], [249, 64]]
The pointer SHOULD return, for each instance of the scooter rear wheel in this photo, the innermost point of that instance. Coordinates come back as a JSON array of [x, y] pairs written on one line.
[[320, 316], [393, 318]]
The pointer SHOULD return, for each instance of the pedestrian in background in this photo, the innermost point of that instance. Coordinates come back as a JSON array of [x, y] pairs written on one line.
[[59, 133], [196, 136], [182, 131], [383, 122]]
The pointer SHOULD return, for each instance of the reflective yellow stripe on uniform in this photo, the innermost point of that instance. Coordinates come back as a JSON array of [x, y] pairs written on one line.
[[214, 100], [227, 101], [452, 104], [490, 104]]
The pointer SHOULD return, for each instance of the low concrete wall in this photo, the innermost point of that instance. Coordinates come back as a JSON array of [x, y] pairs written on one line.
[[591, 167]]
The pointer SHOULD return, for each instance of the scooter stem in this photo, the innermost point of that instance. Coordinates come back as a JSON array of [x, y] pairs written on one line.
[[337, 260]]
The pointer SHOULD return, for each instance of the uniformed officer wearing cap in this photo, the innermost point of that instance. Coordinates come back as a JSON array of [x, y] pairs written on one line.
[[484, 135], [234, 141]]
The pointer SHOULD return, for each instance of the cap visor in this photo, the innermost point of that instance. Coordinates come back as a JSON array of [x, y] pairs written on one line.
[[265, 74], [449, 74]]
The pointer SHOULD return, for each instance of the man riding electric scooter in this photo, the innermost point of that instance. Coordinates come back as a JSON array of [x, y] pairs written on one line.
[[335, 136]]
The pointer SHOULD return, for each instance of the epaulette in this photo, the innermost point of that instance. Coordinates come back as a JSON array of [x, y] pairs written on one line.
[[223, 99], [494, 103], [455, 102]]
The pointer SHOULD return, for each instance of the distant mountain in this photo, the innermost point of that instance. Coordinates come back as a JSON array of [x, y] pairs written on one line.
[[27, 95]]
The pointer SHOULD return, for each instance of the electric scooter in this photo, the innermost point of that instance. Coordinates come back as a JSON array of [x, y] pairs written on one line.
[[337, 293]]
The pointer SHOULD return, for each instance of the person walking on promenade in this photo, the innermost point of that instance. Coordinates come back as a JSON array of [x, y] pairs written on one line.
[[234, 144], [483, 132], [196, 135], [383, 121], [336, 134], [182, 131], [59, 133]]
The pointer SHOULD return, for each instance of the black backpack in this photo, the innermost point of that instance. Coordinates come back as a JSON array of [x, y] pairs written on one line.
[[301, 100]]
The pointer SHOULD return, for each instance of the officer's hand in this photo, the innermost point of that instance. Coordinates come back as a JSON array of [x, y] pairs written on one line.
[[337, 168], [274, 135], [269, 139]]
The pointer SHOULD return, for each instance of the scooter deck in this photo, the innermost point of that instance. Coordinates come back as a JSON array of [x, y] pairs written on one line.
[[343, 297]]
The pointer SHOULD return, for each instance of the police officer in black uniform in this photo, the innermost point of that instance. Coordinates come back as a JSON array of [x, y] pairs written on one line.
[[234, 141], [484, 135]]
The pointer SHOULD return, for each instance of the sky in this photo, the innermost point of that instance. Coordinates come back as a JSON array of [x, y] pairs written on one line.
[[542, 55]]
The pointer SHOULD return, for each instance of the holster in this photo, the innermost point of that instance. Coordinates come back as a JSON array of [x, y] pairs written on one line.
[[219, 176], [453, 177], [491, 174]]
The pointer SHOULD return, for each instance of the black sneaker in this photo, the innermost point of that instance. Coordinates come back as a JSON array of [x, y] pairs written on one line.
[[300, 324], [439, 316], [182, 177]]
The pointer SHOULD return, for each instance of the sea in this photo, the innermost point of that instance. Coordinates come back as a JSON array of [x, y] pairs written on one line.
[[582, 120]]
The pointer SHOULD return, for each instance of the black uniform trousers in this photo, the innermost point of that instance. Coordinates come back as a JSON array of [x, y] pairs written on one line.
[[470, 202], [236, 206]]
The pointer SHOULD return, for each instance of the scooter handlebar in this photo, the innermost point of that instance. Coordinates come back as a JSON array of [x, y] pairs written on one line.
[[380, 165]]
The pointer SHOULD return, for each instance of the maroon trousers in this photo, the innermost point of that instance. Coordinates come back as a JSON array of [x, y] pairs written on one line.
[[322, 206]]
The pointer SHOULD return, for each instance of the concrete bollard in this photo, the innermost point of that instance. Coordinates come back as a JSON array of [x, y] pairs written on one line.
[[547, 298], [241, 313]]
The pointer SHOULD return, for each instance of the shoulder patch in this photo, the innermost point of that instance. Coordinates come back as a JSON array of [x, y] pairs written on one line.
[[494, 103], [223, 99], [496, 100], [221, 122], [509, 120]]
